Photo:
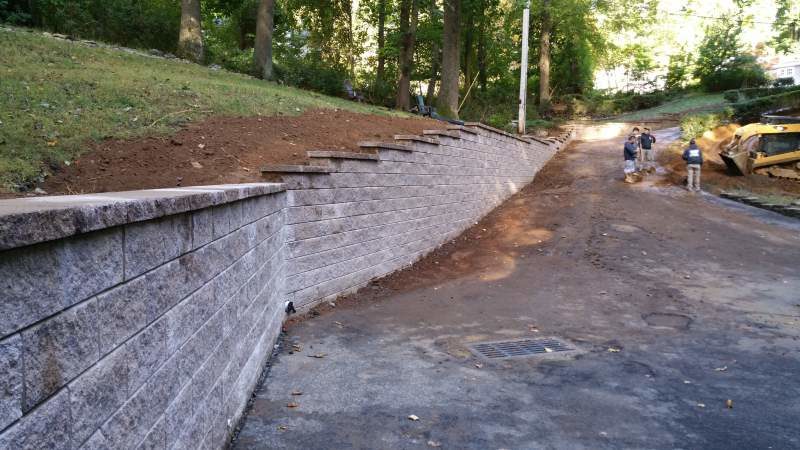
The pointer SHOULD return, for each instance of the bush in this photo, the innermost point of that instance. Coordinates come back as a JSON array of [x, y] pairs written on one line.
[[694, 125], [613, 104], [739, 95], [751, 110], [783, 82], [313, 74], [132, 23]]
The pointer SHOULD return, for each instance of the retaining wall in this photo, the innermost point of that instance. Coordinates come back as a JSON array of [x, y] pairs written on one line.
[[142, 319]]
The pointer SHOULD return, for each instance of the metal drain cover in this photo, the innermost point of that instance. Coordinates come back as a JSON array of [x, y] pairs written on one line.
[[519, 348]]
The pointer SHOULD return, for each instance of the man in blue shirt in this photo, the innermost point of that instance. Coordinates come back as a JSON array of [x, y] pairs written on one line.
[[694, 161], [630, 152]]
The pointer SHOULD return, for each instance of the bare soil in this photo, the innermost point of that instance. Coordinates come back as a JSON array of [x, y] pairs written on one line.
[[715, 177], [223, 150]]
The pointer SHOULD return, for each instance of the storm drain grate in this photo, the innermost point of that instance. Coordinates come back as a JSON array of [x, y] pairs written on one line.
[[518, 348]]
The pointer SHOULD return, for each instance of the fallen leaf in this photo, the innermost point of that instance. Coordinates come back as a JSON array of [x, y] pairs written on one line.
[[52, 143], [197, 165], [613, 349], [548, 350], [479, 365], [413, 417], [282, 427], [339, 324], [721, 369], [433, 443], [292, 405], [729, 403], [318, 355], [297, 392], [702, 405]]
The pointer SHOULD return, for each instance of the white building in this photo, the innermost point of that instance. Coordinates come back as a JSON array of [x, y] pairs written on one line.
[[786, 68]]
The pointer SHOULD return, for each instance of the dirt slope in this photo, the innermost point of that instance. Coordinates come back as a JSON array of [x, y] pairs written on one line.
[[223, 150]]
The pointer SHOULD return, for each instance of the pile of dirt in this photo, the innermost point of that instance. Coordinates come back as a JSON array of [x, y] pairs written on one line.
[[223, 150], [715, 177]]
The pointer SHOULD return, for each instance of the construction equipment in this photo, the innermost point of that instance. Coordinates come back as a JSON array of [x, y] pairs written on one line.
[[769, 148]]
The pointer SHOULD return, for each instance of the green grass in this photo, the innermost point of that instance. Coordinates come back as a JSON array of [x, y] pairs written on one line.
[[693, 102], [57, 96]]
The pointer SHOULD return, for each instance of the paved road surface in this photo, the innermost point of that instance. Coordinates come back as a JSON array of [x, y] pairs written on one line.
[[676, 303]]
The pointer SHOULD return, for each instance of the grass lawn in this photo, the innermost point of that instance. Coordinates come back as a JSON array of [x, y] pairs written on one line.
[[693, 102], [55, 96]]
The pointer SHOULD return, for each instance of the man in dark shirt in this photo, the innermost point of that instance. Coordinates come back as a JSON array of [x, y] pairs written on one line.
[[630, 151], [694, 161], [646, 141]]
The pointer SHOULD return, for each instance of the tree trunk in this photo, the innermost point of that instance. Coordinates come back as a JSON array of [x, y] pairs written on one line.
[[190, 39], [447, 102], [379, 74], [436, 59], [482, 52], [468, 43], [409, 14], [544, 58], [263, 46]]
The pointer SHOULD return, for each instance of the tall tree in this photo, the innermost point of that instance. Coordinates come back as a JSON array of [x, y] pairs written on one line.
[[544, 58], [409, 15], [436, 55], [190, 39], [379, 73], [265, 24], [447, 102]]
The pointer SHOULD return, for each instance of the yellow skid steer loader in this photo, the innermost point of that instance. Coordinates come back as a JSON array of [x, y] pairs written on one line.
[[771, 148]]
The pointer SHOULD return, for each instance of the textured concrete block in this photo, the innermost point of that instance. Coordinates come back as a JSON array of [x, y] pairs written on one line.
[[98, 441], [156, 438], [96, 394], [10, 380], [179, 414], [133, 421], [202, 227], [46, 427], [57, 350], [146, 352], [123, 311], [221, 220], [154, 242], [39, 281]]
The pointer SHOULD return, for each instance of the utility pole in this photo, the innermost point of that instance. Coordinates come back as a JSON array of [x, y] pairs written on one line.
[[523, 69]]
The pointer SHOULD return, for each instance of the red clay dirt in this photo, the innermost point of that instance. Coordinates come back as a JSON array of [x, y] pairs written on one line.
[[223, 150]]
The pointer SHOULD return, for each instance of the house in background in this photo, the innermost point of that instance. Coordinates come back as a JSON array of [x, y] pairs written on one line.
[[785, 67]]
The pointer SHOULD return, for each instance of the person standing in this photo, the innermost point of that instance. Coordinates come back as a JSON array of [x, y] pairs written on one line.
[[637, 137], [694, 161], [630, 152], [646, 141]]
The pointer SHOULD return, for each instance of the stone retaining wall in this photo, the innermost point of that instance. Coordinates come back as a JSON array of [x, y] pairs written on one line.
[[142, 319], [358, 218]]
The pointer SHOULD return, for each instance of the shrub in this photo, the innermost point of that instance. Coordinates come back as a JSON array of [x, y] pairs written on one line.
[[783, 82], [737, 95], [751, 110], [694, 125], [313, 74]]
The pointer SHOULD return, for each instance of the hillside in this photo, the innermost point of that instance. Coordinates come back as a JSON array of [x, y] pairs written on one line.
[[60, 100]]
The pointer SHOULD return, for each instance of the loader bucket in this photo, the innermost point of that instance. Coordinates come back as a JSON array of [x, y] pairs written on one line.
[[735, 162]]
